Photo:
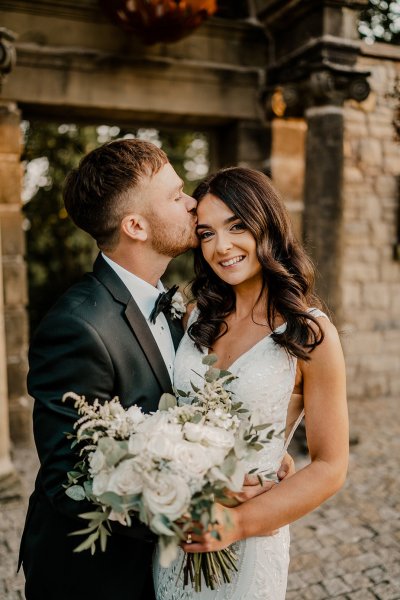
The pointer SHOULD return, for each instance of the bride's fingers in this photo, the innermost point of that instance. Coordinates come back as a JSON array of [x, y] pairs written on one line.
[[251, 491]]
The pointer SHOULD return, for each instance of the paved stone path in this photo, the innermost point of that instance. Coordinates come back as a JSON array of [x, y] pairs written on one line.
[[348, 549]]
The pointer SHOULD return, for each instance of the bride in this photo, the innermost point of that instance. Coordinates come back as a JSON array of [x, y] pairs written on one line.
[[255, 309]]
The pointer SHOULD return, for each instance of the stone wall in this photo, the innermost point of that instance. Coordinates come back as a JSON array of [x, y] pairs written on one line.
[[370, 286]]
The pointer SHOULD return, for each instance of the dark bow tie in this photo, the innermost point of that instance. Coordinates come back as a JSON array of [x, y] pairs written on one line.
[[163, 303]]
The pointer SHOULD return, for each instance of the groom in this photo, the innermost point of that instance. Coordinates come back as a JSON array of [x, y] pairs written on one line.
[[99, 341]]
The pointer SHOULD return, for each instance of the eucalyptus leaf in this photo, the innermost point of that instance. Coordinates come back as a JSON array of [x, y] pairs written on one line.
[[262, 426], [167, 401], [76, 492], [257, 446], [212, 375], [113, 450], [210, 359]]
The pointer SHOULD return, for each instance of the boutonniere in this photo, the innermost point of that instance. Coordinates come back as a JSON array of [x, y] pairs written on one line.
[[178, 306], [171, 301]]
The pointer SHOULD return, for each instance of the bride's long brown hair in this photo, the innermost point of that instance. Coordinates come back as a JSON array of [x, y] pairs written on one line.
[[288, 273]]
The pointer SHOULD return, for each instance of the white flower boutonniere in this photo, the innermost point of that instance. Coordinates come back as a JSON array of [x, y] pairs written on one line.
[[178, 306]]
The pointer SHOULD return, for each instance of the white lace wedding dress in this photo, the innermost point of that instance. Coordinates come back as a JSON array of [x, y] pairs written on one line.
[[266, 376]]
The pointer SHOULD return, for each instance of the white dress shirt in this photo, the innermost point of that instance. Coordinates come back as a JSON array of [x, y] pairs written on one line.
[[145, 296]]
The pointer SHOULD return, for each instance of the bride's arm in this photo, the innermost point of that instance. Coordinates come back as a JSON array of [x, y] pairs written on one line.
[[327, 436]]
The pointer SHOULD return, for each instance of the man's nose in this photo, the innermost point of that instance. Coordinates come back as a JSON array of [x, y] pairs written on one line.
[[191, 203]]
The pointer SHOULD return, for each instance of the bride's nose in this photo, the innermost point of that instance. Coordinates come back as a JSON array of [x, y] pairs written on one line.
[[223, 244]]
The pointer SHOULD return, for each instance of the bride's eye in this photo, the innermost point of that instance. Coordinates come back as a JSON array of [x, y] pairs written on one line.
[[238, 227], [204, 235]]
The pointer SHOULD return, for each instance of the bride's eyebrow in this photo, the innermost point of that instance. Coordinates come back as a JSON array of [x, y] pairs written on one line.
[[226, 222]]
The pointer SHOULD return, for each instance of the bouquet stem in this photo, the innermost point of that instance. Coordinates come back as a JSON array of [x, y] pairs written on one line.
[[215, 567]]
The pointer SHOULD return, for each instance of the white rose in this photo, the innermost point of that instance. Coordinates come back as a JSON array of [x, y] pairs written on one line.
[[137, 443], [162, 446], [97, 461], [100, 483], [166, 494], [155, 423], [192, 460], [193, 432], [220, 438], [124, 479]]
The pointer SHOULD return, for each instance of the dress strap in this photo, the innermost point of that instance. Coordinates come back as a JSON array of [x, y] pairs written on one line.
[[316, 312], [293, 430]]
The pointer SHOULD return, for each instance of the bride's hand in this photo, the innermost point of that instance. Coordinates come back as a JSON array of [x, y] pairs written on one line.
[[228, 528], [252, 487]]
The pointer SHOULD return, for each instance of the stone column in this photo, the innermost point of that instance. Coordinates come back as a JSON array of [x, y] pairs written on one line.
[[14, 271], [312, 72], [6, 467], [323, 204]]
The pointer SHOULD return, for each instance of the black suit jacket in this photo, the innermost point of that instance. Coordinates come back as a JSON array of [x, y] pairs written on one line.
[[96, 342]]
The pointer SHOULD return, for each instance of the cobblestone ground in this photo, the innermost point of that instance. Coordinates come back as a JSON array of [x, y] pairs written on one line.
[[348, 549]]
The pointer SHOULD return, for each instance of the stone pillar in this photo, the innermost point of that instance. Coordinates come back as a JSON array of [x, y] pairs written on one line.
[[323, 205], [6, 467], [313, 71], [14, 271]]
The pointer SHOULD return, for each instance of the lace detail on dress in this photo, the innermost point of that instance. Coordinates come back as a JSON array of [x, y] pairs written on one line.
[[266, 376]]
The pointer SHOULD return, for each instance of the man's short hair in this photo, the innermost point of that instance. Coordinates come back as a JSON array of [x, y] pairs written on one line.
[[96, 194]]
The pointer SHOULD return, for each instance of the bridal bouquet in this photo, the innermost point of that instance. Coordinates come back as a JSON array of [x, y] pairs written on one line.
[[166, 468]]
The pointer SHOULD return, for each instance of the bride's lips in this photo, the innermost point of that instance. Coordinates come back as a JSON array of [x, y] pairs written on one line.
[[231, 262]]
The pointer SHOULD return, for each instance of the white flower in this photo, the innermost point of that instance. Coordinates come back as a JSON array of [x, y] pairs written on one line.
[[162, 446], [97, 461], [192, 460], [167, 494], [135, 415], [125, 479], [178, 307], [220, 438], [100, 483], [193, 432], [137, 443]]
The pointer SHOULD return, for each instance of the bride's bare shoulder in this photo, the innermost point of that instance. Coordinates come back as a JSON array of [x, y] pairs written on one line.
[[189, 309]]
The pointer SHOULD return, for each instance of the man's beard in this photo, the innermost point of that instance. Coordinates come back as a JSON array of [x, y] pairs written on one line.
[[171, 241]]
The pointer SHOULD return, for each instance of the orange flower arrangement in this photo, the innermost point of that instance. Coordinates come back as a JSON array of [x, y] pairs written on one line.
[[159, 20]]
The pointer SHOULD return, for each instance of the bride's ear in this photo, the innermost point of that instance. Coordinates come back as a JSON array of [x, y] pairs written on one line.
[[134, 227]]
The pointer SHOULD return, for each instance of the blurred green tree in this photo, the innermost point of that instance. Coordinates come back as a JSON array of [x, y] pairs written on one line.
[[58, 253], [380, 22]]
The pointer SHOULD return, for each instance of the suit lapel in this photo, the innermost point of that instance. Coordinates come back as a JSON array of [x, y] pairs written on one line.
[[176, 329], [145, 338], [138, 324]]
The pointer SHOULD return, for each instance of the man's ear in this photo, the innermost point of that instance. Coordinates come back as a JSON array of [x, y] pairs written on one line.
[[134, 226]]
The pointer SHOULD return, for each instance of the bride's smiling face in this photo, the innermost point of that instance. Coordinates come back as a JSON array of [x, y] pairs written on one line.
[[227, 245]]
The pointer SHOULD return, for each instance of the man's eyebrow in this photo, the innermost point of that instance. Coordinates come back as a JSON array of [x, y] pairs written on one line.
[[177, 187], [226, 222]]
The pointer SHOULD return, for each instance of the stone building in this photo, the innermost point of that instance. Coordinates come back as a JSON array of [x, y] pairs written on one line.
[[280, 85]]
